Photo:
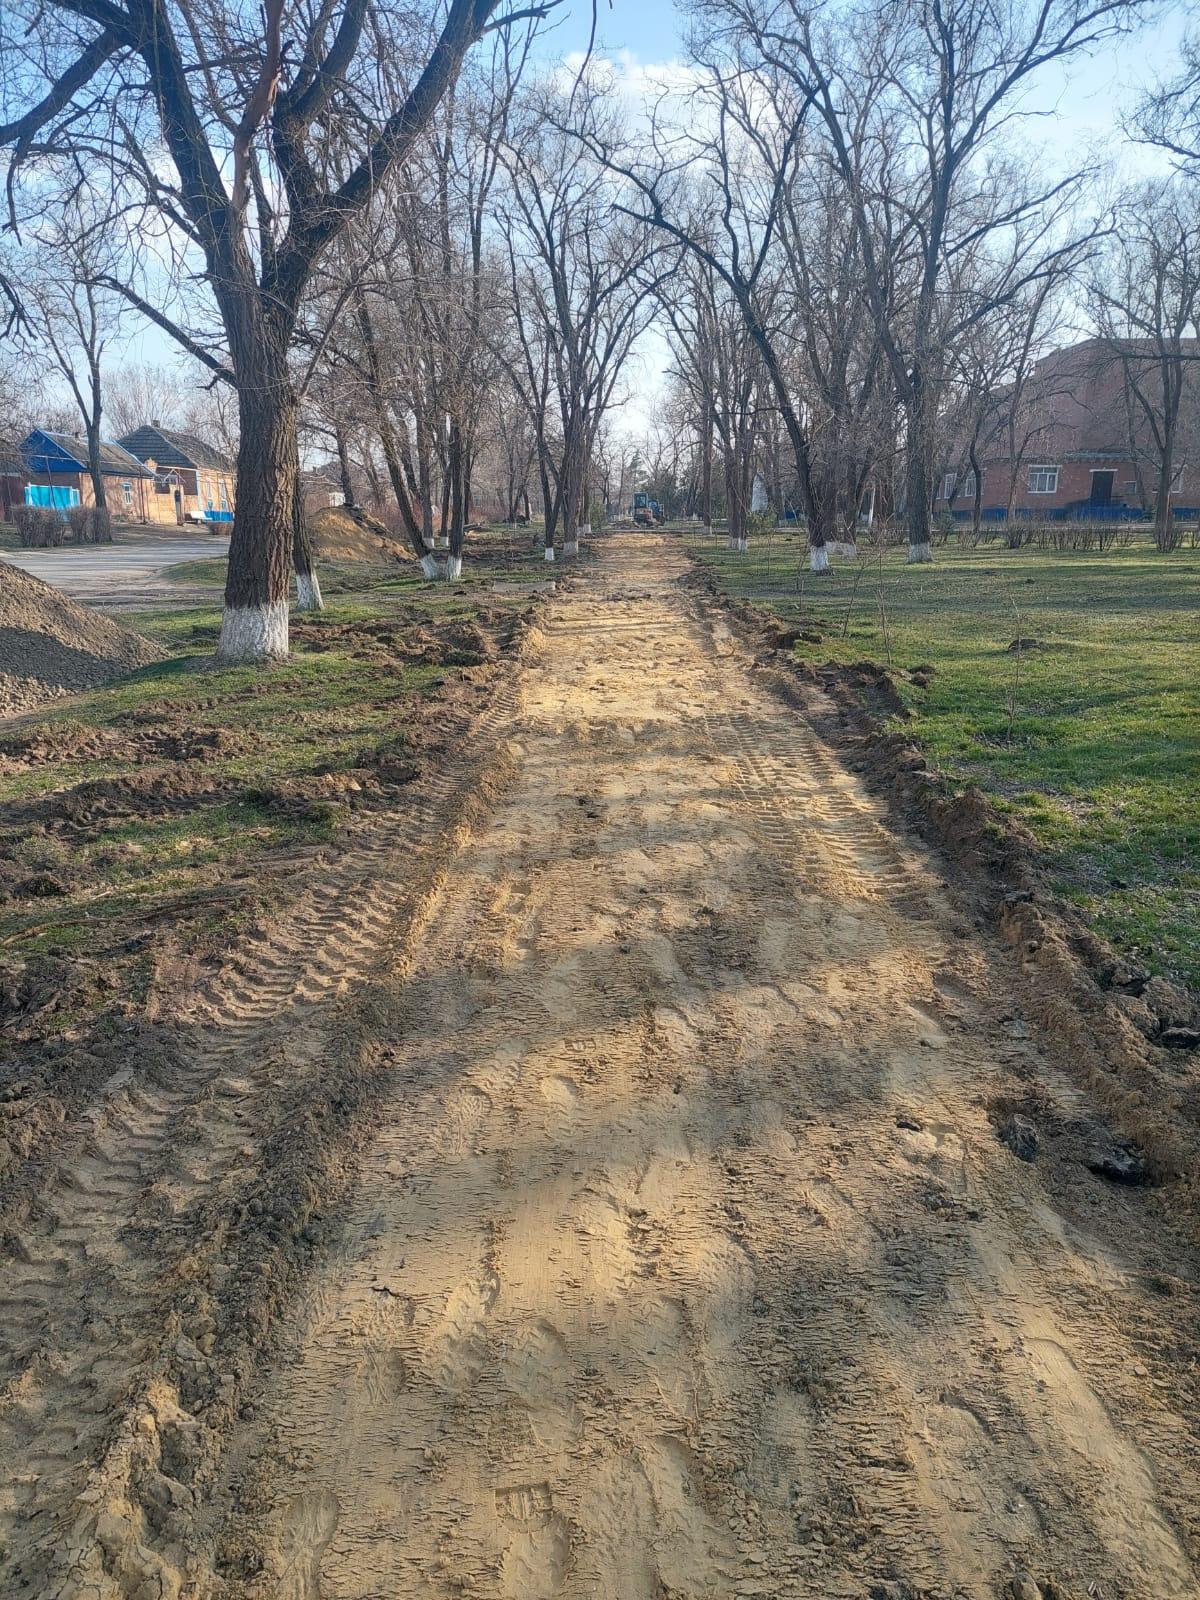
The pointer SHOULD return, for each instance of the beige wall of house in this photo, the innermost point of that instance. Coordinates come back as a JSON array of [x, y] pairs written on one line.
[[200, 490]]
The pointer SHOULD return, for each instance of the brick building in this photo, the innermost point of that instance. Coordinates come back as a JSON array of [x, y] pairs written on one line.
[[1087, 447], [56, 474], [192, 481]]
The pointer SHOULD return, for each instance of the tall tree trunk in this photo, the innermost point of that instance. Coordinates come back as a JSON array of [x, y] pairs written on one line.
[[343, 455], [977, 497], [706, 474], [734, 501], [456, 464], [549, 507], [99, 495], [308, 585], [387, 437], [424, 480], [917, 474], [254, 626], [1164, 521]]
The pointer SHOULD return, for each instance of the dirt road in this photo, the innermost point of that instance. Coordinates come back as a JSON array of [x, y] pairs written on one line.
[[685, 1260]]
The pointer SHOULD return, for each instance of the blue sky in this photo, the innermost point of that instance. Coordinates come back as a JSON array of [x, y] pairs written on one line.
[[1082, 102]]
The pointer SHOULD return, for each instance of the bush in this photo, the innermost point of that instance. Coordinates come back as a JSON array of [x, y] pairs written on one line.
[[39, 527], [90, 524]]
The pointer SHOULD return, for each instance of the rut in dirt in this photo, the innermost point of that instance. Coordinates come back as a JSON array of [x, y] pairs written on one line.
[[687, 1262]]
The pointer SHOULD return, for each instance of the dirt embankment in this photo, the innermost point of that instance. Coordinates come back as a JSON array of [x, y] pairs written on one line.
[[50, 645], [173, 1164], [71, 847]]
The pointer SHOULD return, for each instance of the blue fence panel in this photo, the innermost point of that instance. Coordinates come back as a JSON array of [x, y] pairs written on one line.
[[57, 496]]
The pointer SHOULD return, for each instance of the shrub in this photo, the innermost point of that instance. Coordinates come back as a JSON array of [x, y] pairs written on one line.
[[39, 527], [90, 524]]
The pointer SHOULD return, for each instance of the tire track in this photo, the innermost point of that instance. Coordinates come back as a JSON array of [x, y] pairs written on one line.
[[81, 1288]]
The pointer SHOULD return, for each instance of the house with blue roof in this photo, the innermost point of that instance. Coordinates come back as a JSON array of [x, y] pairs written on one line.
[[57, 475]]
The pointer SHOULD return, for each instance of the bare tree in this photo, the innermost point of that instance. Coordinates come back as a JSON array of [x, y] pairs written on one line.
[[916, 102], [139, 393], [234, 127], [68, 313], [722, 368], [1145, 298], [582, 275], [1169, 116], [720, 184]]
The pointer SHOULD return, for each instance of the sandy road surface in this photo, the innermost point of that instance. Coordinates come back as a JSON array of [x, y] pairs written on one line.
[[684, 1261], [687, 1263]]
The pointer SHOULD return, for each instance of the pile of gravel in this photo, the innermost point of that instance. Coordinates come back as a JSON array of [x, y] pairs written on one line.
[[50, 645]]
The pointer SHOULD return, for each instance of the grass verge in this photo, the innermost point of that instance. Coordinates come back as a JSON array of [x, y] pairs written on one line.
[[158, 817], [1089, 732]]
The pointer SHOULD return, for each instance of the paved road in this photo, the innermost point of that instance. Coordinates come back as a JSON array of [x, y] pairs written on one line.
[[126, 574]]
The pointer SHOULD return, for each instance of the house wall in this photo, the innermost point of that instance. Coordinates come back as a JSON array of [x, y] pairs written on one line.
[[1074, 485], [1075, 407], [320, 496], [12, 492], [122, 508], [203, 495], [214, 492]]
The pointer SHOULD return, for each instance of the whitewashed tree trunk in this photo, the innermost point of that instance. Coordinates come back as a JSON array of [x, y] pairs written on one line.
[[308, 592], [254, 633], [818, 558], [919, 552], [549, 552], [429, 566], [453, 568]]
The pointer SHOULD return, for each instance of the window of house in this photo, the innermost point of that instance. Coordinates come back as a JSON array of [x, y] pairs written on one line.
[[224, 496], [127, 493], [957, 486], [1043, 480]]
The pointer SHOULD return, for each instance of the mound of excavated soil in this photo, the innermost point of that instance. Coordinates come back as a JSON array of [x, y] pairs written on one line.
[[50, 645], [337, 536]]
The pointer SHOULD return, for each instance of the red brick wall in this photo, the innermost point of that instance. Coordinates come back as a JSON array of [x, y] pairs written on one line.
[[1074, 484]]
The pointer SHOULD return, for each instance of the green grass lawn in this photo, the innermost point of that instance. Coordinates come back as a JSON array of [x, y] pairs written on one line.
[[1092, 737], [185, 795]]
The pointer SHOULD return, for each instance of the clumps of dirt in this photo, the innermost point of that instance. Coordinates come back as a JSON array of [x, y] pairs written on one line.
[[42, 742], [873, 684], [50, 743], [339, 534], [781, 636], [33, 990], [472, 641], [50, 645], [154, 791]]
